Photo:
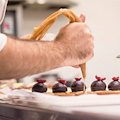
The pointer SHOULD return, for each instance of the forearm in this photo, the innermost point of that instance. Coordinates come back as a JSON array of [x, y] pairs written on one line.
[[20, 58]]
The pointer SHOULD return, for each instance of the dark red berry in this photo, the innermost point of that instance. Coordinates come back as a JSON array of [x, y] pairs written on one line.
[[41, 80], [115, 84], [99, 78], [78, 79], [115, 78], [103, 78], [62, 81]]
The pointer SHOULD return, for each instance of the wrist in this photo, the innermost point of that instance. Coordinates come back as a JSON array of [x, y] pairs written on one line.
[[62, 51], [54, 53]]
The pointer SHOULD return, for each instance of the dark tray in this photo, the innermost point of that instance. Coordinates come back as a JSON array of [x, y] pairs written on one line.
[[15, 112]]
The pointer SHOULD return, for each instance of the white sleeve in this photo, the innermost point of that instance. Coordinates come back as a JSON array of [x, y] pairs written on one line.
[[3, 41], [3, 5]]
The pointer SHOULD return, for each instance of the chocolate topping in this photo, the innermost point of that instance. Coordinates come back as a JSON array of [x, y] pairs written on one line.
[[98, 85], [40, 86], [59, 87], [77, 85], [115, 84]]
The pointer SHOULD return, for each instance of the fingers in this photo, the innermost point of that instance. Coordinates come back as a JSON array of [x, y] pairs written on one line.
[[76, 66], [82, 18]]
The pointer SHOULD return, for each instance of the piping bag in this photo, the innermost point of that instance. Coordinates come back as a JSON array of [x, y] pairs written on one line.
[[42, 29]]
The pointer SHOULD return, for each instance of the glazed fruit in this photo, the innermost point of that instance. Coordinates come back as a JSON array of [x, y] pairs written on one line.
[[40, 86], [59, 87], [115, 84], [77, 85], [98, 85]]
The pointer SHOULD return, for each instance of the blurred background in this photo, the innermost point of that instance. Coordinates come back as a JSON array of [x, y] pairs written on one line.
[[103, 18]]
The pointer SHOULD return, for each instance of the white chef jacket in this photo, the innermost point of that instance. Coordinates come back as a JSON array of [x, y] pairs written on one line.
[[3, 38]]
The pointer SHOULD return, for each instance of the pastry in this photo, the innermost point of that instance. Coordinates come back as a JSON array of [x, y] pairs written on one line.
[[69, 93], [40, 86], [115, 84], [77, 85], [60, 87], [106, 92], [98, 85]]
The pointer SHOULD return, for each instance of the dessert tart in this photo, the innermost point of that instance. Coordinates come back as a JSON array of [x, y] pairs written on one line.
[[77, 85], [98, 85], [40, 86], [60, 87], [115, 84]]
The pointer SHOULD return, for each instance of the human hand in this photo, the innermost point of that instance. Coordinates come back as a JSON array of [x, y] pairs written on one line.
[[77, 43]]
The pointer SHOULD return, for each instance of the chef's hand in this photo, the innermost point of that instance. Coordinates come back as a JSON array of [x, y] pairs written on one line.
[[76, 41]]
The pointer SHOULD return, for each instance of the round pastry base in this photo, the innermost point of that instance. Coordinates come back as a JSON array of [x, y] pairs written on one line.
[[103, 92], [66, 93]]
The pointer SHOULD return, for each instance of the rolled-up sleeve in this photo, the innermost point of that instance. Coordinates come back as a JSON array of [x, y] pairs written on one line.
[[3, 41]]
